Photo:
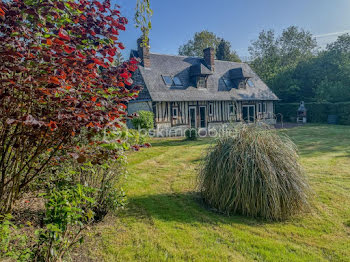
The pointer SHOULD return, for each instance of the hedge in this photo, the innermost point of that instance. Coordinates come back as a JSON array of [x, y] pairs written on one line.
[[144, 120], [316, 112]]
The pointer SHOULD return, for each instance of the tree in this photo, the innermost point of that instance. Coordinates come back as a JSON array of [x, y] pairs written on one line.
[[295, 45], [57, 84], [275, 59], [342, 44], [223, 52], [205, 39], [201, 40]]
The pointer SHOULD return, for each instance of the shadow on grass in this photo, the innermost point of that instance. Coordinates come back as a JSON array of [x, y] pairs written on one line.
[[183, 208]]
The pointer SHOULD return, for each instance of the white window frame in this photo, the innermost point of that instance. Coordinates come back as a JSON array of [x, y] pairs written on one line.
[[264, 107], [175, 109], [211, 109], [189, 115]]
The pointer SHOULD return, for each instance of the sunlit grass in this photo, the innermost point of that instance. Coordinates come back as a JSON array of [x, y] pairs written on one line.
[[165, 220]]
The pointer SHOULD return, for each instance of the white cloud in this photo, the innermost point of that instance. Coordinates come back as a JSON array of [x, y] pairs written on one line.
[[332, 34]]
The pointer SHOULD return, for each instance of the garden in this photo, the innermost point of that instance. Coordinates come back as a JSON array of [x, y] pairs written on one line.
[[166, 220]]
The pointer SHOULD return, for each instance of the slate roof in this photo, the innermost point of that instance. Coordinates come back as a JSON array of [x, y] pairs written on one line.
[[182, 67]]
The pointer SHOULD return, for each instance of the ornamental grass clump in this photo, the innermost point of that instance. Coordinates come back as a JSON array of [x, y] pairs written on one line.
[[254, 172]]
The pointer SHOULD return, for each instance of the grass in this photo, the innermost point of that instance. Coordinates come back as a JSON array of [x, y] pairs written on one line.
[[165, 221]]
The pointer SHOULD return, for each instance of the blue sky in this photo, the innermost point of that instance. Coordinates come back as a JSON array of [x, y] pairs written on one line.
[[238, 21]]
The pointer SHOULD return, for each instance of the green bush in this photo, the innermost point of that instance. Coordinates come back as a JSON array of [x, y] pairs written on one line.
[[13, 244], [144, 120], [136, 137], [68, 213], [191, 134], [316, 112], [106, 181], [254, 172]]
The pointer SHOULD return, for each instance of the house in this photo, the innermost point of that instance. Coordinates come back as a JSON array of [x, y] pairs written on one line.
[[199, 92]]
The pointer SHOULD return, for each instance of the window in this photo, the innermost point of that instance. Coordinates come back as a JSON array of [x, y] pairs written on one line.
[[231, 110], [177, 81], [241, 84], [201, 82], [264, 108], [260, 108], [228, 83], [168, 80], [175, 112], [211, 109], [250, 83]]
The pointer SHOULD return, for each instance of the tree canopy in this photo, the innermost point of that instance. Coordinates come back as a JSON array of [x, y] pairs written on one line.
[[205, 39], [224, 52], [296, 70]]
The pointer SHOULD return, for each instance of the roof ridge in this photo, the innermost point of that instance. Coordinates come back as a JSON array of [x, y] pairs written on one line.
[[152, 53], [198, 57]]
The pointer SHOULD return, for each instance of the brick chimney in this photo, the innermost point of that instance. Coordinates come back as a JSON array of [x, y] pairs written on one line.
[[209, 58], [143, 51]]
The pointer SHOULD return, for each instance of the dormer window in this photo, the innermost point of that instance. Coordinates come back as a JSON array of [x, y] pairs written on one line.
[[201, 82], [228, 83], [177, 81], [242, 84], [250, 83], [168, 80], [172, 81]]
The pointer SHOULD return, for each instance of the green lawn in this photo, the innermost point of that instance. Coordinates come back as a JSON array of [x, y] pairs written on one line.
[[165, 221]]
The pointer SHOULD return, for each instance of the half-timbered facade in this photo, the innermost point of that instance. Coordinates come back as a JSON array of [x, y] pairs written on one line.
[[197, 92]]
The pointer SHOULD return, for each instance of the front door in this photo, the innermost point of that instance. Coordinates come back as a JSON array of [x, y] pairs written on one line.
[[202, 117], [192, 115], [248, 112]]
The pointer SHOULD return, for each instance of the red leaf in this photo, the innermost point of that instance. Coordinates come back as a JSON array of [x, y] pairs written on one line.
[[69, 49], [97, 61], [90, 125], [81, 55], [54, 80], [2, 12], [123, 106], [124, 75], [57, 41], [133, 61], [129, 82], [93, 99], [121, 46], [90, 66], [121, 27], [63, 34], [52, 125]]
